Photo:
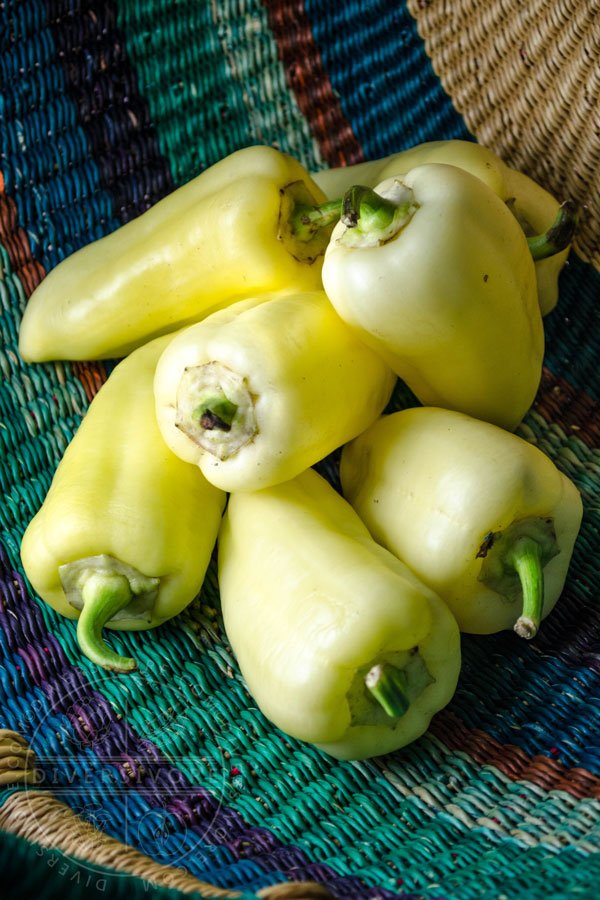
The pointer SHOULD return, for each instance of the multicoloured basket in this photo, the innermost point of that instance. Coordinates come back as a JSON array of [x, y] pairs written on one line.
[[170, 780]]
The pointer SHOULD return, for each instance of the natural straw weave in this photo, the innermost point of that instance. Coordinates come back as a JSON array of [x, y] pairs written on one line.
[[526, 78], [105, 107]]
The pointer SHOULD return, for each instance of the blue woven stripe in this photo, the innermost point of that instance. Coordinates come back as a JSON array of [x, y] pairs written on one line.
[[573, 328], [377, 63], [560, 718], [45, 159]]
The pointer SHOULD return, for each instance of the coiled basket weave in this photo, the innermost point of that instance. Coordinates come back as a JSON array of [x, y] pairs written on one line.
[[170, 780]]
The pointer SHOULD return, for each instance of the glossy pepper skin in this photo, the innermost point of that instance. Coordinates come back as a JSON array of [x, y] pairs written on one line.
[[258, 392], [225, 234], [312, 606], [464, 504], [136, 515], [446, 293], [534, 207]]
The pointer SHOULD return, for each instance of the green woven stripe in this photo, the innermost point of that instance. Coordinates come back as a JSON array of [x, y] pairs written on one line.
[[210, 90]]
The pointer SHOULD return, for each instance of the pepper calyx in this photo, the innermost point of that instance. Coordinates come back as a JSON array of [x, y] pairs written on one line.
[[215, 409], [382, 691], [107, 591], [513, 566], [305, 225]]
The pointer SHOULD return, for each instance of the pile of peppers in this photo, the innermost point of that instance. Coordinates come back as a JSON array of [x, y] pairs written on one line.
[[265, 316]]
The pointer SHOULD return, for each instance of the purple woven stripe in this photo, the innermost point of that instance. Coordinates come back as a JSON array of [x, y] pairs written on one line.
[[95, 726], [114, 115]]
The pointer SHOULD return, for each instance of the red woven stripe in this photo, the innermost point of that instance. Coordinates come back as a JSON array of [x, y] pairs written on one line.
[[549, 774], [307, 78], [15, 240]]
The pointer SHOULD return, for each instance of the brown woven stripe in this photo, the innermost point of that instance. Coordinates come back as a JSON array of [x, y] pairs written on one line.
[[577, 412], [526, 79], [15, 240], [549, 774], [307, 78], [92, 375]]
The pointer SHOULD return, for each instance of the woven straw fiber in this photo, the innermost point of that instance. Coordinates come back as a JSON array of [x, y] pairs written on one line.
[[172, 773], [526, 79]]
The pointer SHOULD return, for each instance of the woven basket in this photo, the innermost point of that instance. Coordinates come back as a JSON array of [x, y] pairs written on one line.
[[171, 781]]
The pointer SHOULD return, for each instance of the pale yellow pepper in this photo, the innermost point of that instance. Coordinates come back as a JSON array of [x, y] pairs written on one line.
[[126, 531], [480, 515], [339, 643], [256, 393], [234, 230], [435, 274], [535, 207]]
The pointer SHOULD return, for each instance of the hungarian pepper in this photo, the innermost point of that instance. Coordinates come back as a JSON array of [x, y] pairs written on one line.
[[126, 531], [434, 272], [533, 206], [245, 225], [338, 642], [256, 393], [481, 515]]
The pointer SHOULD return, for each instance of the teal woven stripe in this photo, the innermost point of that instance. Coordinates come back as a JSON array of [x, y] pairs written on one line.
[[209, 90]]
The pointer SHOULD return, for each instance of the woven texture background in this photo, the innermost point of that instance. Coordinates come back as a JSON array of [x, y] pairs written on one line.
[[104, 108]]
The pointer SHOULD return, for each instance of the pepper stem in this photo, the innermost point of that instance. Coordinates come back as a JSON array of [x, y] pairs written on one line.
[[387, 685], [363, 206], [371, 219], [558, 236], [215, 412], [526, 559], [104, 594], [306, 220]]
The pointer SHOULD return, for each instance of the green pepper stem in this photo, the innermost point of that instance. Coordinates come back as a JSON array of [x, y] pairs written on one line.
[[104, 594], [526, 560], [305, 220], [372, 220], [215, 412], [387, 685], [363, 206], [558, 236]]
